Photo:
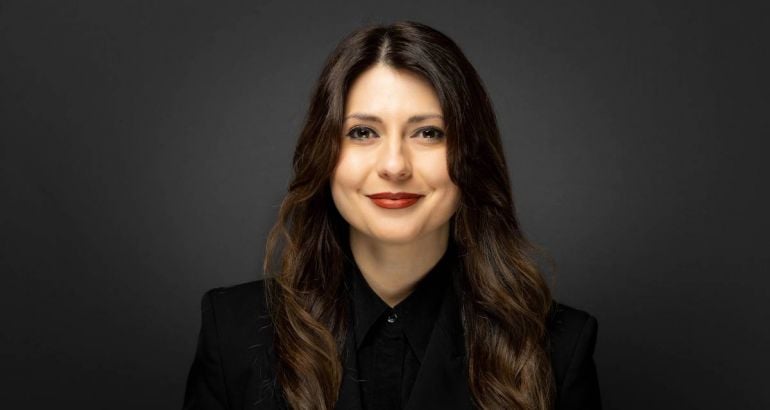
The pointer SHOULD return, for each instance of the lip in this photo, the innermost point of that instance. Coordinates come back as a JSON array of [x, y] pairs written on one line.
[[394, 195], [395, 200]]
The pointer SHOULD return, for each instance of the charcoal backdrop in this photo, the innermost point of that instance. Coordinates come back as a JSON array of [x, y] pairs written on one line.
[[146, 146]]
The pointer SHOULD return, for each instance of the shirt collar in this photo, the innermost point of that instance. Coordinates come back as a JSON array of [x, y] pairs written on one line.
[[418, 312]]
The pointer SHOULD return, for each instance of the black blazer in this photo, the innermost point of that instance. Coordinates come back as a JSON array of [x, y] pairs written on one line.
[[234, 358]]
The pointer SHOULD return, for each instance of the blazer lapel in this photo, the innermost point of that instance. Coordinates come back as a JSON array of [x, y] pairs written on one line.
[[350, 390], [442, 379], [263, 392]]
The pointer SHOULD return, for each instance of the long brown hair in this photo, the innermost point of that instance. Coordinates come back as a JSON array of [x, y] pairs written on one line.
[[505, 300]]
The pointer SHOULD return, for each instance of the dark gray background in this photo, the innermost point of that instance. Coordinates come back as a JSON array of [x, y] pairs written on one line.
[[146, 147]]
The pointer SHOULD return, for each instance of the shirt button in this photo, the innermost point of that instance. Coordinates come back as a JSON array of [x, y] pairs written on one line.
[[392, 318]]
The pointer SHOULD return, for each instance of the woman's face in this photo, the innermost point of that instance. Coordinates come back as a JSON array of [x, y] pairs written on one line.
[[393, 142]]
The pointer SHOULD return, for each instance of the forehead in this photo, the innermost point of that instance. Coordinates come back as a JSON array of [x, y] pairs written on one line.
[[383, 90]]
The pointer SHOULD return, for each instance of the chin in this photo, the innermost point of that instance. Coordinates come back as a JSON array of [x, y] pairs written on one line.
[[391, 236]]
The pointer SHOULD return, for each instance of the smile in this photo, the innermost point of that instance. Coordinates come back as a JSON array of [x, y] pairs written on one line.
[[397, 200]]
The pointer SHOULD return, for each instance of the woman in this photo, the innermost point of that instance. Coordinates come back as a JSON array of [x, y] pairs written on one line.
[[402, 278]]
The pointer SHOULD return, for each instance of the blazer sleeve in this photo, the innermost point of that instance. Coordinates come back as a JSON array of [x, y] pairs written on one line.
[[580, 387], [205, 387]]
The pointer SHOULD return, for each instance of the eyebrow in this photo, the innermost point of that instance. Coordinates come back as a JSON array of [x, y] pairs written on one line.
[[411, 120]]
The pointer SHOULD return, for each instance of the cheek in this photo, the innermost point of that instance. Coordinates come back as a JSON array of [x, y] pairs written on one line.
[[450, 198], [436, 172], [436, 175], [345, 175], [352, 168], [346, 183]]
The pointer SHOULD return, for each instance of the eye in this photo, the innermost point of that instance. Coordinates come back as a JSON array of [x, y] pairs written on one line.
[[360, 133], [431, 133]]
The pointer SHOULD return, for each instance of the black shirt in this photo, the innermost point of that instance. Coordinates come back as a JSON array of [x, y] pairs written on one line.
[[391, 342]]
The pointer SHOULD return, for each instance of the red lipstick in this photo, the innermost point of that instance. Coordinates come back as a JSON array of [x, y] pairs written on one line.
[[394, 200]]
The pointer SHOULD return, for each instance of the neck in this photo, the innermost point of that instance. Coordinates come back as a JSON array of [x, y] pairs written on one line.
[[393, 270]]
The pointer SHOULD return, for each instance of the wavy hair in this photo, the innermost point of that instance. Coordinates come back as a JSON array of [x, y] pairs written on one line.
[[505, 300]]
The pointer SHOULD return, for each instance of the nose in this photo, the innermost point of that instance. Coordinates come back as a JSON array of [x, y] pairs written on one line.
[[393, 162]]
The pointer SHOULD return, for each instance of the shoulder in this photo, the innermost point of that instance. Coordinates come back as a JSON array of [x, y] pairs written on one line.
[[572, 340], [243, 298], [566, 322], [237, 315]]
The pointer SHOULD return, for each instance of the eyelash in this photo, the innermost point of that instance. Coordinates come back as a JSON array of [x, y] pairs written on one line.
[[352, 131]]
